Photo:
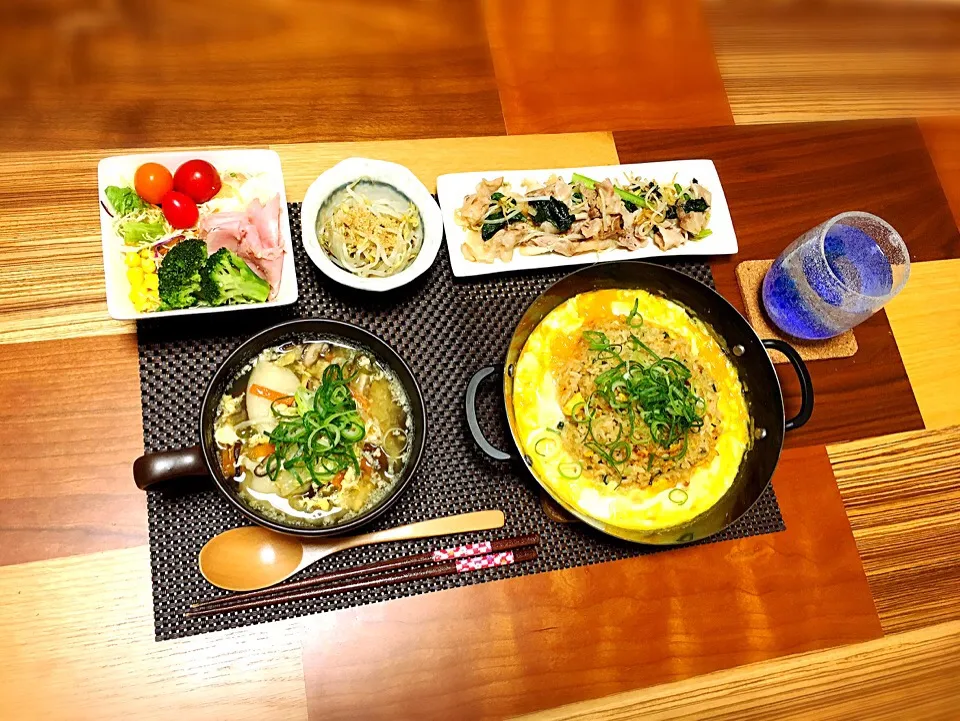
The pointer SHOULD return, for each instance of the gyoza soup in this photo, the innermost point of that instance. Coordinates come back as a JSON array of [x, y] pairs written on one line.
[[314, 433]]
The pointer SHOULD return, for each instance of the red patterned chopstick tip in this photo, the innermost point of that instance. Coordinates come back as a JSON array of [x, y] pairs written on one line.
[[468, 549], [491, 560]]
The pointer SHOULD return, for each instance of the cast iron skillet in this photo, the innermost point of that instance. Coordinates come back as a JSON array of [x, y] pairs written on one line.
[[202, 460], [745, 350]]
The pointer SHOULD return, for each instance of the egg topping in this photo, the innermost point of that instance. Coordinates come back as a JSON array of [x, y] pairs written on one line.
[[629, 409]]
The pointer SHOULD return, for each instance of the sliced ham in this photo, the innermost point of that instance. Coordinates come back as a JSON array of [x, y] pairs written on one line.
[[268, 255], [254, 235]]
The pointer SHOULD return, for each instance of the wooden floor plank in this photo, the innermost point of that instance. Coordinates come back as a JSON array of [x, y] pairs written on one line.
[[79, 646], [99, 73], [943, 142], [904, 676], [798, 61], [429, 158], [902, 495], [70, 429], [774, 178], [535, 642], [928, 307], [566, 65], [53, 273]]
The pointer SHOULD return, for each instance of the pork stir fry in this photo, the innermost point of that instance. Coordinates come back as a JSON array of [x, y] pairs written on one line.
[[582, 216]]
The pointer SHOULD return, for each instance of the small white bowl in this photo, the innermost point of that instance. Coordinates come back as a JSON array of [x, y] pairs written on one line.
[[399, 177]]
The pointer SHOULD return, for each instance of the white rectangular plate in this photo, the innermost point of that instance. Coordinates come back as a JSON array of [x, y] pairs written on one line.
[[453, 188], [119, 170]]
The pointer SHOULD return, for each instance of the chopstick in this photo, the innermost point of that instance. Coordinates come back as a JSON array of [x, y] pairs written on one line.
[[393, 564], [445, 568]]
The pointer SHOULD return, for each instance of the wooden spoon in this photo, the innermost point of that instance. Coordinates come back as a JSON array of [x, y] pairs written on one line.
[[250, 558]]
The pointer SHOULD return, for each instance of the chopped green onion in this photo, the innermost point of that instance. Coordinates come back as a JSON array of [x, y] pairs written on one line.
[[570, 470], [316, 437], [656, 389], [678, 496], [353, 431], [578, 414], [546, 446], [634, 319]]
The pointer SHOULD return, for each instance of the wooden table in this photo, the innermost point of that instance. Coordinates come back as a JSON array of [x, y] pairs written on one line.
[[853, 611]]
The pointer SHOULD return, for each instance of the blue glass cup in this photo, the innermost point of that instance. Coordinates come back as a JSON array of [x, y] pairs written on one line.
[[835, 276]]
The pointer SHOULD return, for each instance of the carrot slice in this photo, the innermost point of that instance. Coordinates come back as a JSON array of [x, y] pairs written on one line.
[[261, 451], [337, 480], [272, 395], [361, 400], [226, 462]]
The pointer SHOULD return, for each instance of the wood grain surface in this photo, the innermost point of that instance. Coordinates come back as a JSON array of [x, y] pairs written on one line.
[[78, 77], [775, 178], [101, 73], [943, 142], [538, 641], [803, 61], [78, 645], [902, 495], [608, 75], [904, 676], [54, 271], [925, 319], [70, 429], [429, 158]]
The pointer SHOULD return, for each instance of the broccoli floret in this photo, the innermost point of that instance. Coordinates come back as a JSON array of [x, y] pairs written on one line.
[[226, 278], [178, 277]]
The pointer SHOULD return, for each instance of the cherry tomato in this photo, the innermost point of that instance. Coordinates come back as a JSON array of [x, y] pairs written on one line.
[[180, 210], [198, 179], [152, 181]]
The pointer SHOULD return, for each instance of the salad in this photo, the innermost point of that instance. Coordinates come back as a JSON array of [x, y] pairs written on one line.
[[197, 236]]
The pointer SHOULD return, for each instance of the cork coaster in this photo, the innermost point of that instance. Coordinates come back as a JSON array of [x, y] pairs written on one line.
[[553, 510], [750, 275]]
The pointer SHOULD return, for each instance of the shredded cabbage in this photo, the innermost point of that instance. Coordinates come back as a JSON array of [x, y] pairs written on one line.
[[142, 227]]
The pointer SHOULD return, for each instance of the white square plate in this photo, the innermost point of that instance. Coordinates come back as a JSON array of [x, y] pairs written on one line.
[[119, 170], [453, 188]]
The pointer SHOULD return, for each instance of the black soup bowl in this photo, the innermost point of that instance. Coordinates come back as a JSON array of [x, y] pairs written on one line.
[[203, 460]]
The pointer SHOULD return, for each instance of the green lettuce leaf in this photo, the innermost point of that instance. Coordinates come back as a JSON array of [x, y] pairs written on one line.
[[123, 200]]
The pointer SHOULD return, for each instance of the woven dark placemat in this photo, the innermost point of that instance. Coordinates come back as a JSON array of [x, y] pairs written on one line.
[[445, 328]]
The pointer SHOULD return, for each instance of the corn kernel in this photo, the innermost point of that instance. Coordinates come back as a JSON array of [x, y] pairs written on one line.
[[151, 281], [131, 259], [135, 276], [149, 266], [146, 253]]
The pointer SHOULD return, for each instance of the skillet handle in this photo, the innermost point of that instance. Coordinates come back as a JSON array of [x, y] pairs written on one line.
[[806, 385], [485, 445], [166, 465]]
